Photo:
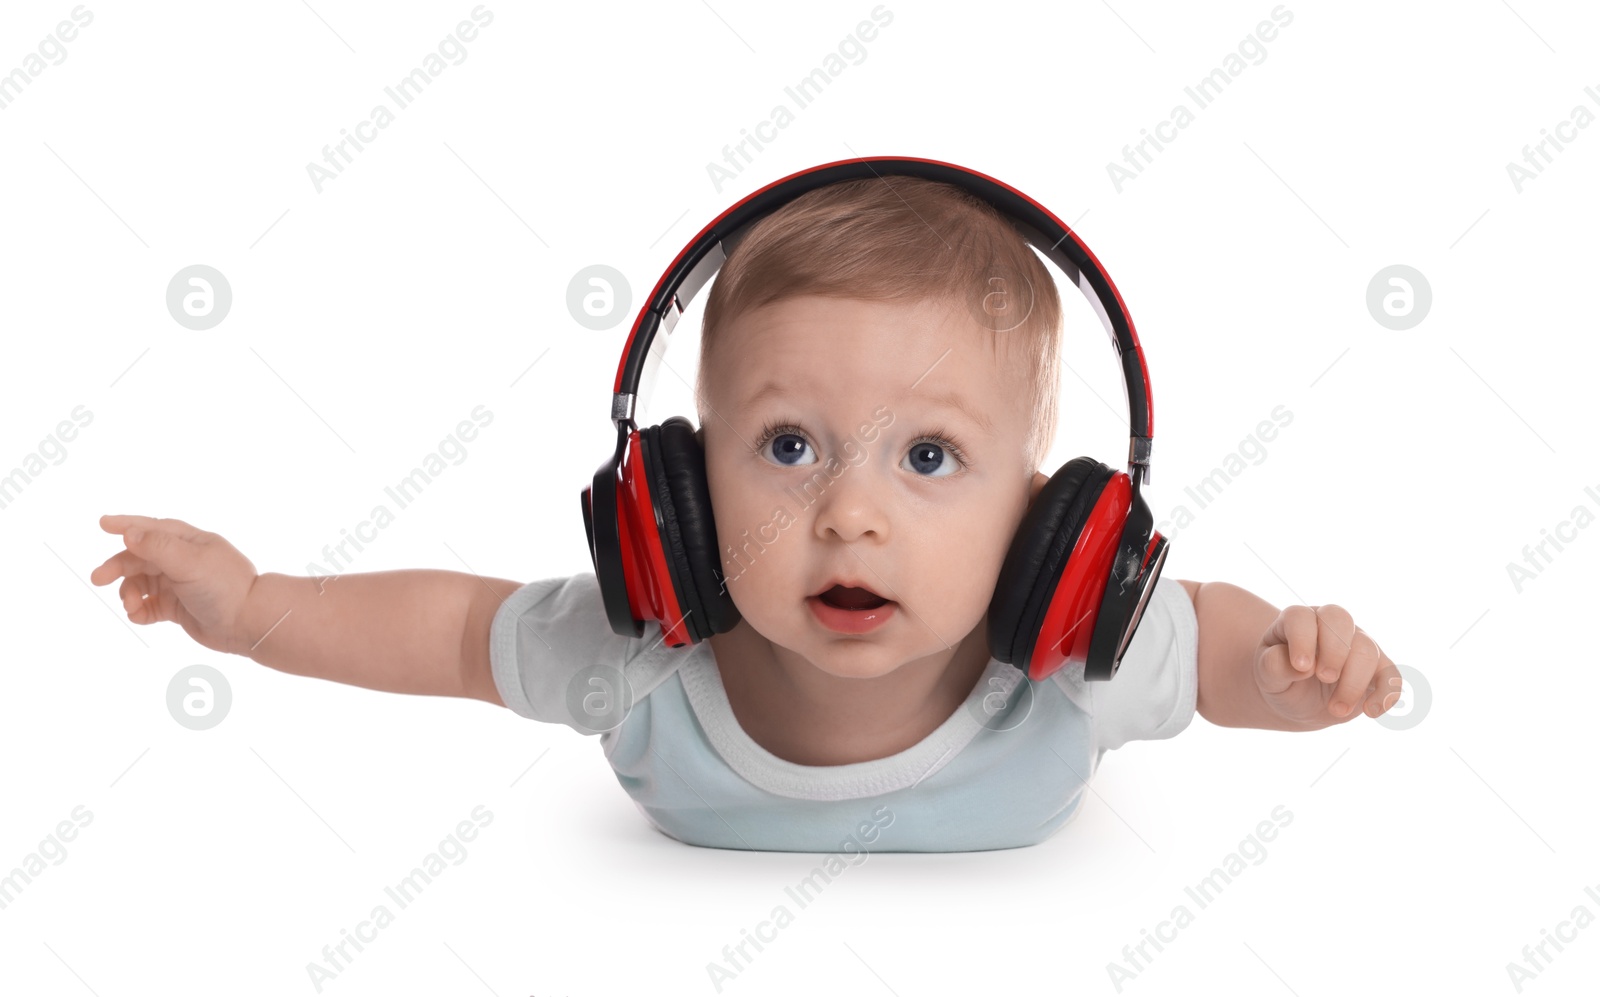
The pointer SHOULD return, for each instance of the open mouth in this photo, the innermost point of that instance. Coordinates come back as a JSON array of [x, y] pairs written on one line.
[[851, 597], [852, 610]]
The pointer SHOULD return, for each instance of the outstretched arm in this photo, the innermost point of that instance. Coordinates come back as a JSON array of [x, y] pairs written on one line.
[[420, 631], [1301, 668]]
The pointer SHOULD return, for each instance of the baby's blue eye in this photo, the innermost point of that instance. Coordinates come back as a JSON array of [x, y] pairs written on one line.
[[787, 448], [928, 457]]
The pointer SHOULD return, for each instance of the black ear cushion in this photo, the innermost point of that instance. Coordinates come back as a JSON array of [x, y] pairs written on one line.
[[1038, 554], [679, 475]]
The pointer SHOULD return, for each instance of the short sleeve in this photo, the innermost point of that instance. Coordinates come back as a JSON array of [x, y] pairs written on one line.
[[1152, 695], [555, 658]]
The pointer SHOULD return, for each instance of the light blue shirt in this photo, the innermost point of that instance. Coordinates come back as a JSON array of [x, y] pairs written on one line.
[[1007, 769]]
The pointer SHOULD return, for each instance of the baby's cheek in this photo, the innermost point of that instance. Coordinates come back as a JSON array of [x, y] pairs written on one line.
[[962, 571], [982, 565]]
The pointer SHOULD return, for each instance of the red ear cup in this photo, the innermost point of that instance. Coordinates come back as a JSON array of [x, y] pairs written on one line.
[[686, 529], [1059, 575], [653, 539]]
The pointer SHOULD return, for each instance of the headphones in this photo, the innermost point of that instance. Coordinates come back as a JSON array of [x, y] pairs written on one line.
[[1084, 561]]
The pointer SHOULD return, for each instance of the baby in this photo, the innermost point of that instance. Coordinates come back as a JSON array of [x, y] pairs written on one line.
[[855, 706]]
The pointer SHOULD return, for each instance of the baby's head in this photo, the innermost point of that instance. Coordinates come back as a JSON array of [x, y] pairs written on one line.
[[877, 389]]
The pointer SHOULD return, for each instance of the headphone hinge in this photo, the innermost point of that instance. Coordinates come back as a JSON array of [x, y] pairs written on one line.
[[622, 403]]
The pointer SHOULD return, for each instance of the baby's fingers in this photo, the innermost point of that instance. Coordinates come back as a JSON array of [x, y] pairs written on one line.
[[132, 595], [1355, 675], [1275, 673], [166, 550], [1387, 687], [124, 563], [121, 524], [1288, 649]]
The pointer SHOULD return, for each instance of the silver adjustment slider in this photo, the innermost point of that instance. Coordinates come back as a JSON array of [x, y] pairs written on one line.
[[669, 318], [1139, 457], [622, 407]]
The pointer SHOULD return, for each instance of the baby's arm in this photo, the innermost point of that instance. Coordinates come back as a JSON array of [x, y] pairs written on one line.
[[1301, 668], [417, 631], [420, 631]]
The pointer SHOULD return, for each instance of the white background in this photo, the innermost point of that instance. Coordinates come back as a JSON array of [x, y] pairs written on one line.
[[372, 317]]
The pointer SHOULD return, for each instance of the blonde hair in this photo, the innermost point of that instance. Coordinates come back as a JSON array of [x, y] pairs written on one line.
[[895, 238]]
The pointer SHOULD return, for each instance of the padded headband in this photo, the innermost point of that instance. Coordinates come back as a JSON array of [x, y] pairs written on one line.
[[707, 251]]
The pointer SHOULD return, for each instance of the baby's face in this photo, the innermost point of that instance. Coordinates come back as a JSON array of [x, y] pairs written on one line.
[[845, 470]]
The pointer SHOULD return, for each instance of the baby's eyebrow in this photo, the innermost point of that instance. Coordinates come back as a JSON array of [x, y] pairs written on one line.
[[936, 399], [770, 389], [952, 400]]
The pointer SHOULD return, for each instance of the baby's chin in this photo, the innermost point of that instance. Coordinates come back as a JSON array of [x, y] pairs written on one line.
[[836, 654], [855, 657], [855, 662]]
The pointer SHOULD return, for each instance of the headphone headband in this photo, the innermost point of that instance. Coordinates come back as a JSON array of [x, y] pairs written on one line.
[[1083, 562], [709, 249]]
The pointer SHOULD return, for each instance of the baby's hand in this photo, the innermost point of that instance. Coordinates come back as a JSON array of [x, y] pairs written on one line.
[[178, 573], [1316, 667]]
